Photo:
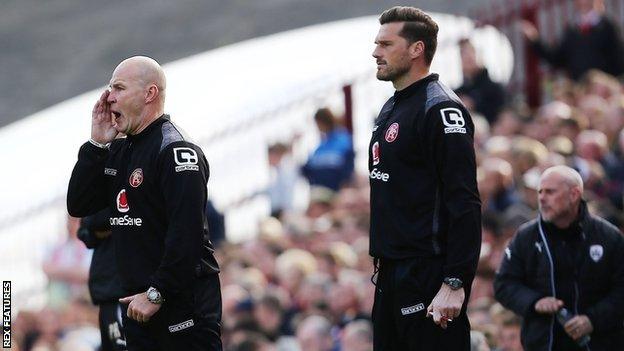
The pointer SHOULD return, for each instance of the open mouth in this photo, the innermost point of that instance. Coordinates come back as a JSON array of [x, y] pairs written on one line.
[[116, 114]]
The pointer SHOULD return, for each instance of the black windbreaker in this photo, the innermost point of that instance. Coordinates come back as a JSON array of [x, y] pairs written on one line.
[[155, 184], [587, 273], [424, 197]]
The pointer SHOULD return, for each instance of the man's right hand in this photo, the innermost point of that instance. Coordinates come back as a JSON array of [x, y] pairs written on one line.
[[102, 129], [548, 305]]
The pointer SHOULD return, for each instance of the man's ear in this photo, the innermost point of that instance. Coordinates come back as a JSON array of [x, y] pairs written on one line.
[[151, 94], [577, 193], [416, 49]]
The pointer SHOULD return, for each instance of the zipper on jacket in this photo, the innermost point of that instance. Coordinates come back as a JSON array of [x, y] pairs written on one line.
[[552, 280]]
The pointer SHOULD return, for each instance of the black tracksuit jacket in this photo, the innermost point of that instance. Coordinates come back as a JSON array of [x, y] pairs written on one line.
[[583, 266], [424, 197], [155, 184]]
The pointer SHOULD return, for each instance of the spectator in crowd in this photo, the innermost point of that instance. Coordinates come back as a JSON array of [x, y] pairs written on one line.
[[568, 258], [272, 318], [216, 224], [47, 332], [508, 123], [496, 185], [344, 304], [331, 164], [104, 281], [478, 341], [357, 336], [592, 40], [314, 334], [526, 207], [492, 246], [67, 268], [283, 179], [526, 153], [425, 228], [478, 92], [616, 173], [508, 337]]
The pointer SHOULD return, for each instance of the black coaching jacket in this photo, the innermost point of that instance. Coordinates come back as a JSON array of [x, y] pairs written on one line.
[[424, 196], [585, 269], [155, 184]]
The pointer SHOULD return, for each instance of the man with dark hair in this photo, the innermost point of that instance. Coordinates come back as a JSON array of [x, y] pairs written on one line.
[[154, 182], [566, 258], [478, 92], [425, 208]]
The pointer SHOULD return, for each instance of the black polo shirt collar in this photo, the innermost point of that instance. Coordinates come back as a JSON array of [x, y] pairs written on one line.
[[147, 131], [414, 87]]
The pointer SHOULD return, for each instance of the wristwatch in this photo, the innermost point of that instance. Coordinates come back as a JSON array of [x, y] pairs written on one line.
[[154, 296], [453, 283]]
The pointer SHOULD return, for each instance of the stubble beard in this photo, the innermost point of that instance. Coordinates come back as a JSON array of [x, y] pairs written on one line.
[[556, 217], [393, 73]]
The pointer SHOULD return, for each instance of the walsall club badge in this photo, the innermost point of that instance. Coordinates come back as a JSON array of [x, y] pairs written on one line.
[[136, 178]]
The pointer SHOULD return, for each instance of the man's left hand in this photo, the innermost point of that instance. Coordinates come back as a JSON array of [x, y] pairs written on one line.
[[139, 308], [578, 326], [446, 305]]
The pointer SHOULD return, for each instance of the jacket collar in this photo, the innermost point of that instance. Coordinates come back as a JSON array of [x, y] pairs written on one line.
[[151, 127], [414, 87], [581, 221]]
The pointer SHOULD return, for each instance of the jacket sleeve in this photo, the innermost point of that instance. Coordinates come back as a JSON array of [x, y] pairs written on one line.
[[555, 55], [510, 288], [183, 175], [88, 186], [450, 132], [607, 314], [615, 55]]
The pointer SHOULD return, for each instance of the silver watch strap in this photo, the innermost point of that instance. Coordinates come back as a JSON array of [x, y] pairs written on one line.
[[100, 145]]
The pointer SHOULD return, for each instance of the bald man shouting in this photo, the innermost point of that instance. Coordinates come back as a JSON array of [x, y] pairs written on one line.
[[566, 258], [142, 166]]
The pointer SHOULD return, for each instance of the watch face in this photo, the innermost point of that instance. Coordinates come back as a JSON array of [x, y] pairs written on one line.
[[454, 283], [153, 295]]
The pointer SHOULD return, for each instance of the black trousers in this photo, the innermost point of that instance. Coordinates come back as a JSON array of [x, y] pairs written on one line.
[[191, 321], [111, 330], [404, 290]]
